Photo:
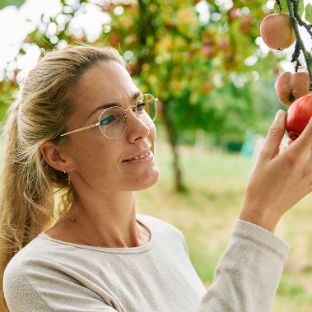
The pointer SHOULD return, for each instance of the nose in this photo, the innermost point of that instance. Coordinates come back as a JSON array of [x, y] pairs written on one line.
[[136, 127]]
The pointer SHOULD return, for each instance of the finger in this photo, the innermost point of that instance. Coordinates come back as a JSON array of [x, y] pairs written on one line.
[[290, 141], [275, 135], [304, 141]]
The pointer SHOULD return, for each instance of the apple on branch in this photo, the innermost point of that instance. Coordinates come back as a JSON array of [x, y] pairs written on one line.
[[277, 32], [291, 86], [298, 116]]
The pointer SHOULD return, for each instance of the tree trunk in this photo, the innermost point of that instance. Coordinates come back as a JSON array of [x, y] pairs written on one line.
[[173, 141], [148, 28]]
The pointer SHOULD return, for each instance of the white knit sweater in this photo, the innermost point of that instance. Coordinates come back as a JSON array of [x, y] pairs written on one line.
[[51, 275]]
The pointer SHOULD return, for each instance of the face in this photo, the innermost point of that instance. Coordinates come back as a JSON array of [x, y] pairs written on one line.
[[101, 163]]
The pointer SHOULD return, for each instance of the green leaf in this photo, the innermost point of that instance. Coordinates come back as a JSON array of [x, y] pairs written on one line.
[[301, 8], [308, 13], [5, 3], [284, 6]]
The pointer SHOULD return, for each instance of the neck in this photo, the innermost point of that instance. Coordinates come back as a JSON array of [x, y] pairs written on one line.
[[107, 220]]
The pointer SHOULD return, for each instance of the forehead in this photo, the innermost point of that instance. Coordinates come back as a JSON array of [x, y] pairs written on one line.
[[104, 82]]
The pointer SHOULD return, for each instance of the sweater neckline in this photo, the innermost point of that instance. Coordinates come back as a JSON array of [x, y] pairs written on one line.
[[121, 250]]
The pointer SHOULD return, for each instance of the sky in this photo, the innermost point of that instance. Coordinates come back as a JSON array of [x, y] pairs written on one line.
[[16, 23]]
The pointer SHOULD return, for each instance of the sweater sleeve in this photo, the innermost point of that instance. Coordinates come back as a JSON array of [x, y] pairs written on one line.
[[248, 274], [28, 290]]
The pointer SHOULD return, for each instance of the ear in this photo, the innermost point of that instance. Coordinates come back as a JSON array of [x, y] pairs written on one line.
[[53, 155]]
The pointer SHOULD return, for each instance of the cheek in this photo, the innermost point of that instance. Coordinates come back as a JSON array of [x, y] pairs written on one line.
[[94, 156], [153, 133]]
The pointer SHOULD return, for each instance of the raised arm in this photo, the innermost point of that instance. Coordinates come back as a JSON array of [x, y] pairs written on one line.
[[249, 272], [279, 180]]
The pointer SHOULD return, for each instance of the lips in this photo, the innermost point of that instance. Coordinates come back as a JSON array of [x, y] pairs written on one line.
[[140, 155]]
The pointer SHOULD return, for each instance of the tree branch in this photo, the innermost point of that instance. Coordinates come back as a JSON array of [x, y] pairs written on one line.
[[298, 18], [293, 13]]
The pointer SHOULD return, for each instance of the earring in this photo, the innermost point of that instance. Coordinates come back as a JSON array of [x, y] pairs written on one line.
[[68, 176]]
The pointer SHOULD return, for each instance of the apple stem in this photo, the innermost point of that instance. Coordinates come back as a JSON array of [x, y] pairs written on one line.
[[297, 65], [280, 8], [295, 19]]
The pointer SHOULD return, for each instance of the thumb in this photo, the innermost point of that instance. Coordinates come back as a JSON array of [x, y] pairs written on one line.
[[275, 135]]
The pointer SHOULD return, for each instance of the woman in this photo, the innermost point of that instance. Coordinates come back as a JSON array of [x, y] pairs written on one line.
[[83, 129]]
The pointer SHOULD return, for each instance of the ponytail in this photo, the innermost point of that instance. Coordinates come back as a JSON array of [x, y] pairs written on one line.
[[28, 184], [26, 204]]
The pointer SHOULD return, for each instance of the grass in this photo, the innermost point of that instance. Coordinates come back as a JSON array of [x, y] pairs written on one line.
[[206, 214]]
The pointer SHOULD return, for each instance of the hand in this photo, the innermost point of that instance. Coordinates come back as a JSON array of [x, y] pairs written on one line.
[[279, 180]]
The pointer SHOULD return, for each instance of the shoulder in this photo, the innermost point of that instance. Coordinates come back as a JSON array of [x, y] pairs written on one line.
[[40, 256], [45, 275], [162, 229], [157, 224], [24, 257], [30, 251], [22, 274]]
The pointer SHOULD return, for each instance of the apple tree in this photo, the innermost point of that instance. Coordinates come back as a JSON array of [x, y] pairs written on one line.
[[200, 58], [286, 27]]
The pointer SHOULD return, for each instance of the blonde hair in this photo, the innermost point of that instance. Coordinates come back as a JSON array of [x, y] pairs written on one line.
[[29, 184]]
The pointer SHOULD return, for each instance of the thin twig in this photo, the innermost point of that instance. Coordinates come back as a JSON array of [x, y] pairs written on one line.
[[292, 9], [279, 4]]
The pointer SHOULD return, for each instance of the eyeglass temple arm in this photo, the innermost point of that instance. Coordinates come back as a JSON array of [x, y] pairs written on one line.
[[81, 129]]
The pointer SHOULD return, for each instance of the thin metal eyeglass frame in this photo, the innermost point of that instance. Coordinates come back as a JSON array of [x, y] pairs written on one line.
[[99, 122]]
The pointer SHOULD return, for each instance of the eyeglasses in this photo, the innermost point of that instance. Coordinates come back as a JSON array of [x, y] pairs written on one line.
[[113, 121]]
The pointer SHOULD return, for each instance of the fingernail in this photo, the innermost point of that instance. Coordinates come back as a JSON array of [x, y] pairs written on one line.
[[279, 115]]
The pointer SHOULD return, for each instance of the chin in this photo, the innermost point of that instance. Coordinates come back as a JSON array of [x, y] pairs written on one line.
[[152, 181], [145, 181]]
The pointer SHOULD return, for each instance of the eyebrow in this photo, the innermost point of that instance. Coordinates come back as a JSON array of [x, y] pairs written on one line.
[[108, 105]]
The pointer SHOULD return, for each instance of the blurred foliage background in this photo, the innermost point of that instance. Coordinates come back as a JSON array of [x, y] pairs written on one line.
[[205, 61], [200, 58]]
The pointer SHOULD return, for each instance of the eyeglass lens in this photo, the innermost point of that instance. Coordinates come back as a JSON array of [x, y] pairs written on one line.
[[113, 121]]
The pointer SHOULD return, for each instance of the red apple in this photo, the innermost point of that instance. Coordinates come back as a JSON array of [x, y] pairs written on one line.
[[298, 116], [291, 86], [277, 32]]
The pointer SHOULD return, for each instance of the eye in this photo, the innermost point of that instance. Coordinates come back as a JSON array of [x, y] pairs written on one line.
[[140, 106], [111, 117], [106, 120]]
